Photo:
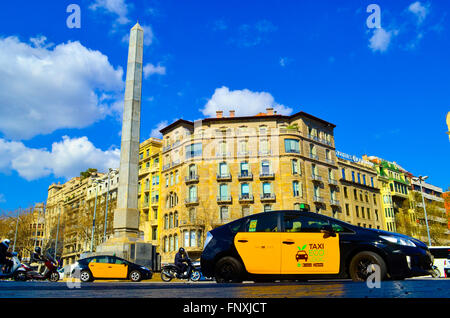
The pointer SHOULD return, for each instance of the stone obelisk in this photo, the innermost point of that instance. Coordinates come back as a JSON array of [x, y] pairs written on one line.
[[125, 241], [126, 215]]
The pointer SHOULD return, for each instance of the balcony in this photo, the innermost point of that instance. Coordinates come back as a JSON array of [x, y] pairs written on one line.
[[313, 137], [244, 153], [266, 175], [166, 166], [246, 197], [166, 148], [224, 177], [335, 202], [313, 156], [191, 178], [315, 177], [191, 201], [265, 152], [223, 199], [155, 201], [245, 175], [330, 161], [318, 199], [268, 197], [333, 182]]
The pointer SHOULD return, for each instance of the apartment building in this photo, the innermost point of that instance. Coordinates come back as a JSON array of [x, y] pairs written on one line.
[[222, 168], [360, 192]]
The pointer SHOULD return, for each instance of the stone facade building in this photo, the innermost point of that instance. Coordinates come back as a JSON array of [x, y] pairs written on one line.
[[219, 169]]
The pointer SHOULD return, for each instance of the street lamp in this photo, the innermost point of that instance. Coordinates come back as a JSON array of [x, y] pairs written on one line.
[[107, 199], [95, 182], [420, 179]]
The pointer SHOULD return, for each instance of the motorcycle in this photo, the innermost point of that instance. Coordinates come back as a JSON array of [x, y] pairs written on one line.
[[50, 273], [435, 272], [17, 272], [171, 271]]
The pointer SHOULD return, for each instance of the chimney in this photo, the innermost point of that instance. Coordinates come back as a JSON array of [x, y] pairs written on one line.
[[232, 113], [219, 114], [269, 111]]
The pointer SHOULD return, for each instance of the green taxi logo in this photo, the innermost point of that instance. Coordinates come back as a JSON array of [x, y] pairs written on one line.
[[314, 255]]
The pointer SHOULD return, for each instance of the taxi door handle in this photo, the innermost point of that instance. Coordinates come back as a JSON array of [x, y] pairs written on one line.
[[288, 242], [243, 241]]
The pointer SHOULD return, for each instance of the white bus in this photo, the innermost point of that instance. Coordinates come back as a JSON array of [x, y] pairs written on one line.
[[441, 256]]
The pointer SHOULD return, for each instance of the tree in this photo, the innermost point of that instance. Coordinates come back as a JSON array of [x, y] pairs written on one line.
[[88, 173]]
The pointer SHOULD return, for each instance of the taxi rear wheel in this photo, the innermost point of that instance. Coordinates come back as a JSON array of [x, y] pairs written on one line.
[[135, 276], [364, 264], [228, 270]]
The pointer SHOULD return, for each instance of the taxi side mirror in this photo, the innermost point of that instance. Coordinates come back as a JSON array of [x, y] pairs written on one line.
[[328, 231]]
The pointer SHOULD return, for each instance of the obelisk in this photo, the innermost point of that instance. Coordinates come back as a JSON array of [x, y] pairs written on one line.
[[125, 241], [126, 215]]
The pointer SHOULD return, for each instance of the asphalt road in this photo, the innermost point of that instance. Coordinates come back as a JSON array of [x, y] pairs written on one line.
[[411, 288]]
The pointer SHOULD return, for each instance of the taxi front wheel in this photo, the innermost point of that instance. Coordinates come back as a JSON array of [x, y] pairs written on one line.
[[366, 263], [229, 270]]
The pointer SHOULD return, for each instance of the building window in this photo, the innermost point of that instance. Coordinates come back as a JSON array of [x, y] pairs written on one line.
[[267, 208], [194, 150], [245, 190], [245, 210], [223, 169], [192, 193], [223, 191], [343, 173], [267, 189], [364, 179], [345, 193], [223, 213], [295, 166], [347, 209], [265, 167], [244, 169], [292, 145], [353, 176], [295, 189]]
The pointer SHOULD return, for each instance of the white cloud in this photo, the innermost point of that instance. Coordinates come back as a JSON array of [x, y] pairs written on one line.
[[43, 88], [244, 102], [155, 132], [118, 8], [419, 10], [66, 158], [150, 69], [381, 39]]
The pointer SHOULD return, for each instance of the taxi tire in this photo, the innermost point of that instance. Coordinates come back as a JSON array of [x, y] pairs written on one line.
[[135, 276], [86, 276], [364, 257], [229, 270]]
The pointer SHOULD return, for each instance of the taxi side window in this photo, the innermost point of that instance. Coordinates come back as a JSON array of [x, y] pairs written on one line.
[[262, 223], [118, 261], [301, 223], [101, 259]]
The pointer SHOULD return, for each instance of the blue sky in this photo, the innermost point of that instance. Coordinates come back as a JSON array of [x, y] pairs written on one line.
[[61, 89]]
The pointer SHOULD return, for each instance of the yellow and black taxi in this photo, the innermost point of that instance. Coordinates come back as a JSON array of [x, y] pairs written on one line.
[[305, 245], [109, 267]]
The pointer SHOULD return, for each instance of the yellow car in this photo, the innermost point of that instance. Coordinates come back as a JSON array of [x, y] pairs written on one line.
[[109, 267]]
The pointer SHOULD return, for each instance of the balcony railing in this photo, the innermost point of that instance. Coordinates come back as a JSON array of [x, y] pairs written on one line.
[[224, 199], [335, 202], [316, 177], [313, 137], [268, 197], [313, 156], [246, 197], [191, 178], [223, 176], [191, 201], [266, 175], [333, 181], [166, 166], [330, 161], [318, 199], [245, 175]]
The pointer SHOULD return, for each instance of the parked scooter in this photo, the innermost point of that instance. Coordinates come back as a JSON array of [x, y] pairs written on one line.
[[17, 272], [50, 273], [435, 272], [171, 271]]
